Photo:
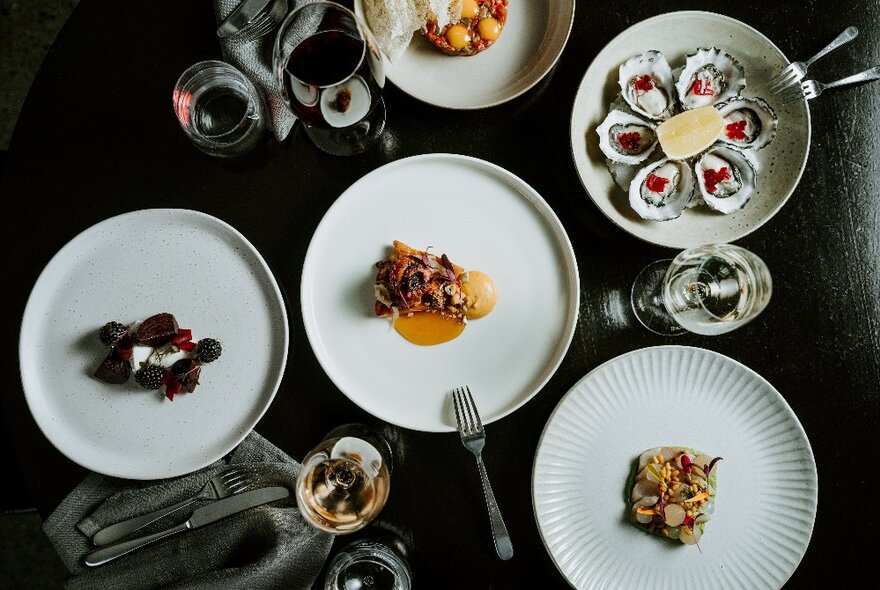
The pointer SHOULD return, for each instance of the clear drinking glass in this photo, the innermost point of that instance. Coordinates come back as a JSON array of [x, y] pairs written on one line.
[[329, 73], [369, 564], [343, 482], [707, 290], [219, 108]]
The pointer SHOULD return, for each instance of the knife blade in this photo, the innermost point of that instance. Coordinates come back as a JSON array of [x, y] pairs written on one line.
[[200, 517]]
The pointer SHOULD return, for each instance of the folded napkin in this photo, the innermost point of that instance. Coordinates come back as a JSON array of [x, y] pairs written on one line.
[[255, 60], [270, 546]]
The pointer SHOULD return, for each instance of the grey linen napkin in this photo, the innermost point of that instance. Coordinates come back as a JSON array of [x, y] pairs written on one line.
[[255, 60], [270, 546]]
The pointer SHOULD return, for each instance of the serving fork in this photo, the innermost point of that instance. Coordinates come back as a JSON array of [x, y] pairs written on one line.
[[796, 71], [222, 485], [473, 437], [810, 89]]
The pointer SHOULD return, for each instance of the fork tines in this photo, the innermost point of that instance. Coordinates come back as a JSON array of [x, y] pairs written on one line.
[[792, 94], [466, 411], [785, 78]]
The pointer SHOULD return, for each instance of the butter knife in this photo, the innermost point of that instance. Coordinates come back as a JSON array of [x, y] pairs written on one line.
[[200, 517]]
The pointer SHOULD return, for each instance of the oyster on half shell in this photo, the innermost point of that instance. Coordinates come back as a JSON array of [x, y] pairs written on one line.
[[748, 123], [710, 76], [726, 178], [626, 138], [647, 86], [662, 190]]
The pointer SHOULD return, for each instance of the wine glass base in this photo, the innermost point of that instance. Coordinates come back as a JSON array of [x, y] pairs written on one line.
[[647, 300], [351, 140]]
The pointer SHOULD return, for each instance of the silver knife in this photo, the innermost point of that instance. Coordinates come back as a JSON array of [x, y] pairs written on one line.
[[200, 517]]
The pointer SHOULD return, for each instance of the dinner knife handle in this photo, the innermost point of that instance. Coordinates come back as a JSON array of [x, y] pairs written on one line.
[[114, 532], [111, 552]]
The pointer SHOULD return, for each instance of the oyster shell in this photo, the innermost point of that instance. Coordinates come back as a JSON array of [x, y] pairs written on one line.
[[710, 76], [749, 123], [662, 190], [647, 86], [726, 178], [626, 138]]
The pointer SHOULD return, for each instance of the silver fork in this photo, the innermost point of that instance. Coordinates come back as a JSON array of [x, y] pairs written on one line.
[[473, 437], [220, 486], [264, 22], [796, 71], [810, 89]]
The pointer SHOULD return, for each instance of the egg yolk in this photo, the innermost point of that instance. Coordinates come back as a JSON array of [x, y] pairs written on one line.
[[469, 8], [481, 294], [458, 36], [489, 28]]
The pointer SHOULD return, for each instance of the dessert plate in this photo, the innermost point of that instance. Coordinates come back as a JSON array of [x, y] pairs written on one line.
[[128, 268], [484, 218], [677, 34], [529, 46], [681, 396]]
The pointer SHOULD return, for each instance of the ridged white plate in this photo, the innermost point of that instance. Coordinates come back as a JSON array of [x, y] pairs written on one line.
[[126, 269], [675, 395]]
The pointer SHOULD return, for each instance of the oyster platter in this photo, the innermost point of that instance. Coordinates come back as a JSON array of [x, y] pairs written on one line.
[[685, 138]]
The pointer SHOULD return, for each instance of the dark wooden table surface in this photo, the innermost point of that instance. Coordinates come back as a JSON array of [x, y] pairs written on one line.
[[97, 137]]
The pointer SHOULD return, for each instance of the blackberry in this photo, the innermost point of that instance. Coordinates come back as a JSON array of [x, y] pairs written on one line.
[[111, 332], [150, 377], [208, 350]]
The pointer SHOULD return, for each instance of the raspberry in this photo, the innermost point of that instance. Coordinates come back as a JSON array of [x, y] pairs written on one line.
[[111, 332], [150, 377], [209, 350]]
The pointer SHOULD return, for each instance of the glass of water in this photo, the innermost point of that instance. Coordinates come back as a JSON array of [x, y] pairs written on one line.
[[219, 109], [707, 290], [369, 564]]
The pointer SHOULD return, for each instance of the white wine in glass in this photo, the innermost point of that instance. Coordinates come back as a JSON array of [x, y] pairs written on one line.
[[344, 482], [707, 290]]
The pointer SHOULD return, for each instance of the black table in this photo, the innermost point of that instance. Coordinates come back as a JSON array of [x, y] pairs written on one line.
[[97, 137]]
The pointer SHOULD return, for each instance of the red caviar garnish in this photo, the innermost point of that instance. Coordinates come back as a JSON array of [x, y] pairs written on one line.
[[702, 88], [713, 177], [736, 130], [656, 184], [644, 83], [631, 142]]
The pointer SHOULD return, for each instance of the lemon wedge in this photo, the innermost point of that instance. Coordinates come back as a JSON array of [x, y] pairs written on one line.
[[690, 133]]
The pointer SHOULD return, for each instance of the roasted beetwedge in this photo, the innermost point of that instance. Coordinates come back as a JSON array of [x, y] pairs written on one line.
[[672, 492]]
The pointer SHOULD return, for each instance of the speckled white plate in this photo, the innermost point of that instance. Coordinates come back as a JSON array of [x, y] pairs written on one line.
[[128, 268], [679, 396], [509, 232], [530, 44], [677, 34]]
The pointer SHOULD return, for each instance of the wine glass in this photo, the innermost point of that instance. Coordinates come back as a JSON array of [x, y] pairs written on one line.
[[329, 73], [707, 290], [343, 482]]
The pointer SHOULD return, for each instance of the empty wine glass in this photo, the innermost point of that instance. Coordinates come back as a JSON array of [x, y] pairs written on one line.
[[707, 290], [343, 482], [372, 563]]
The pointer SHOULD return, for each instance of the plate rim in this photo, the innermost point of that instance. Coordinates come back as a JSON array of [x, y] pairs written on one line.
[[488, 104], [548, 215], [648, 350], [69, 247], [673, 244]]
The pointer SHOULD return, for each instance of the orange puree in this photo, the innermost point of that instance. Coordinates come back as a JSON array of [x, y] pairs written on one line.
[[426, 328]]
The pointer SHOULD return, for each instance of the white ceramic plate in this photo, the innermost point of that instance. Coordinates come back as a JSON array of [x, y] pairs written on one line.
[[681, 396], [484, 218], [126, 269], [529, 46], [675, 35]]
